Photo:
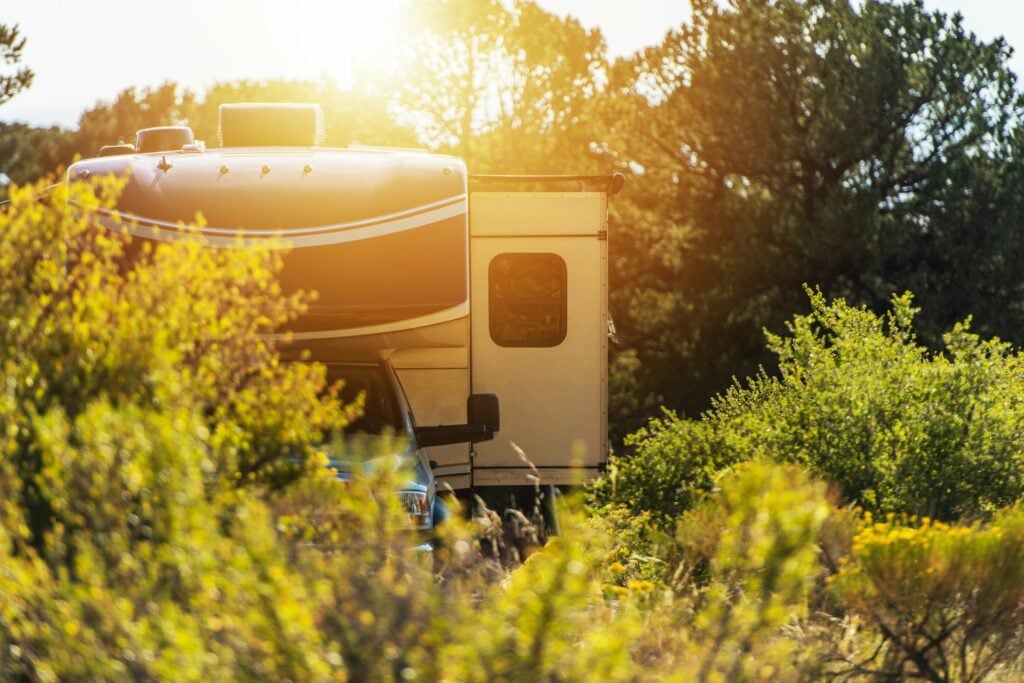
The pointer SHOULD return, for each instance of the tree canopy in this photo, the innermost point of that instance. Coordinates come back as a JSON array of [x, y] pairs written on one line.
[[506, 86], [11, 45], [863, 147]]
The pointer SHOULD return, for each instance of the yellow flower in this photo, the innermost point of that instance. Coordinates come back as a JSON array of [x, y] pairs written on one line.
[[640, 586]]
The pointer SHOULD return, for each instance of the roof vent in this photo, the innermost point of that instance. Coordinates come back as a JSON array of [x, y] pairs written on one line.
[[270, 125], [163, 138]]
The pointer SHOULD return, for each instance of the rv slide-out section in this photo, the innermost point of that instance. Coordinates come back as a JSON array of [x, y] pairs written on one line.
[[539, 332], [538, 340]]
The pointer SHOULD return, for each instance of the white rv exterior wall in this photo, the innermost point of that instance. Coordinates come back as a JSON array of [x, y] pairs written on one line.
[[554, 399]]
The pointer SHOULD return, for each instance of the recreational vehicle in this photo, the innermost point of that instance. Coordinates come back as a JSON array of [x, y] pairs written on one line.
[[447, 292]]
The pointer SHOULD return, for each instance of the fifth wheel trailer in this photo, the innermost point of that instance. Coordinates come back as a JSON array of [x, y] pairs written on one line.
[[463, 286]]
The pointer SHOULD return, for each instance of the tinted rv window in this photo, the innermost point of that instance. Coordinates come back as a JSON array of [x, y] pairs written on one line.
[[527, 299]]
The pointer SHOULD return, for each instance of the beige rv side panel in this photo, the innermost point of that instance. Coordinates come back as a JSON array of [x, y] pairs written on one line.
[[536, 213], [553, 399]]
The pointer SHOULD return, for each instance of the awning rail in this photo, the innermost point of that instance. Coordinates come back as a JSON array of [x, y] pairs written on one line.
[[608, 183]]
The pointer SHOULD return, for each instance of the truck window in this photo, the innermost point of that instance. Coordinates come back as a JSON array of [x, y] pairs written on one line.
[[380, 413], [527, 299]]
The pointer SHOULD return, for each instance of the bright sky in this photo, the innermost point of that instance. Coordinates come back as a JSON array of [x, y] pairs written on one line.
[[84, 51]]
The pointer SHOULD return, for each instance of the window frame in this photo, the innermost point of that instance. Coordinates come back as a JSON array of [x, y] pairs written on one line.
[[563, 313]]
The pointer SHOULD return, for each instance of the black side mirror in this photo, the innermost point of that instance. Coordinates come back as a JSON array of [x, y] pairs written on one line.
[[483, 421]]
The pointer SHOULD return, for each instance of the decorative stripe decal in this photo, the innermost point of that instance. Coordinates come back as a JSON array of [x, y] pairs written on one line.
[[419, 217], [447, 315]]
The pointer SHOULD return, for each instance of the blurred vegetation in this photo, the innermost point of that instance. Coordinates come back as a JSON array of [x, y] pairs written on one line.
[[167, 513], [926, 442], [31, 153], [139, 407]]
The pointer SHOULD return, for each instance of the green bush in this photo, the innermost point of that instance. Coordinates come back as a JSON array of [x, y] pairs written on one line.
[[767, 579], [573, 612], [141, 422], [859, 403], [761, 531]]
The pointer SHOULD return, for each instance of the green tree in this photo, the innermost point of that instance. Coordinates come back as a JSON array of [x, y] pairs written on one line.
[[30, 153], [351, 115], [868, 147], [507, 87], [11, 45], [116, 121]]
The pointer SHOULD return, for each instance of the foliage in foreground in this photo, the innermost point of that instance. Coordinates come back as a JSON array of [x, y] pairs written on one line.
[[141, 420], [166, 512], [944, 602], [153, 525]]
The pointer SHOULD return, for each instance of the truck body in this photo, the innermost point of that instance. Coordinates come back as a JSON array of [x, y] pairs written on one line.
[[461, 285]]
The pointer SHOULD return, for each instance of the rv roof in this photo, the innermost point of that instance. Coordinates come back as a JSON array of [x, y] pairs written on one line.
[[608, 183]]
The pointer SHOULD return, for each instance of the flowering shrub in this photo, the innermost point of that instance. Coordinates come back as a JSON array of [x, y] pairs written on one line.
[[927, 441], [944, 602]]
